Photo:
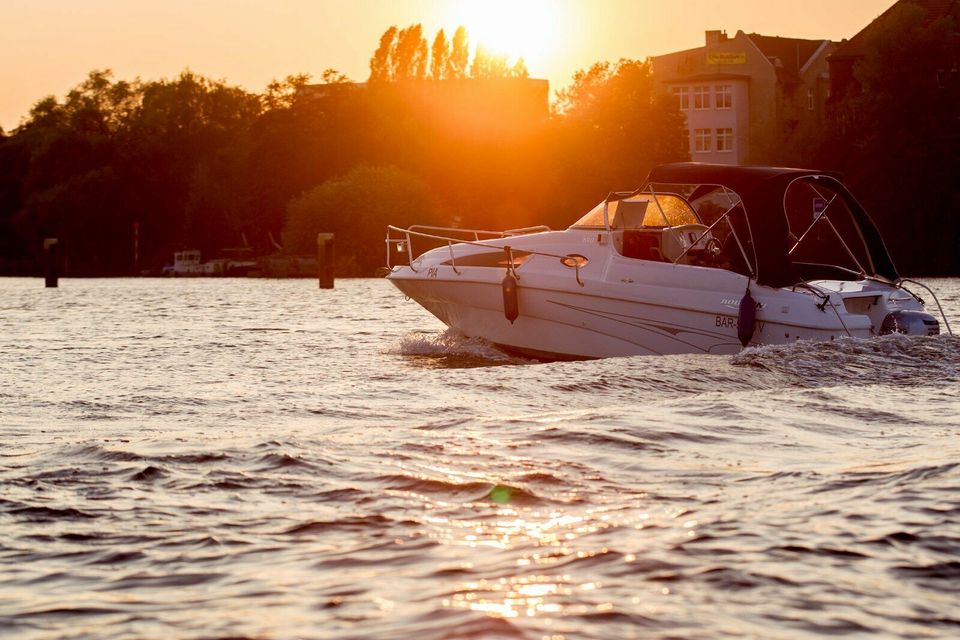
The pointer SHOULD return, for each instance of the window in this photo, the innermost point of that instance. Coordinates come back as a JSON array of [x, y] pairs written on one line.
[[701, 98], [810, 102], [491, 259], [636, 212], [724, 96], [685, 141], [646, 210], [683, 97], [702, 140], [725, 140]]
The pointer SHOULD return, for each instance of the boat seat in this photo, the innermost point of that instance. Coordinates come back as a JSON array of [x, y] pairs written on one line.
[[642, 245]]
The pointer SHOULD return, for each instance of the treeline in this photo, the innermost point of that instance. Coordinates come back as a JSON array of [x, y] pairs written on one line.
[[435, 135], [898, 140]]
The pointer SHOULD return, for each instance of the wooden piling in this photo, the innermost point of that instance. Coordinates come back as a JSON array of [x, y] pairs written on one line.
[[53, 263], [325, 260]]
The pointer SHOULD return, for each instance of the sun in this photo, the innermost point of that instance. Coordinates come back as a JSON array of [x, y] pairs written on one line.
[[526, 29]]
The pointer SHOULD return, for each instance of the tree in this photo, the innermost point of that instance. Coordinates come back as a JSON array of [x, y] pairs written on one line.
[[439, 56], [282, 94], [182, 151], [896, 140], [380, 63], [459, 54], [357, 208], [488, 65], [332, 76], [402, 55], [410, 55], [519, 69], [611, 127]]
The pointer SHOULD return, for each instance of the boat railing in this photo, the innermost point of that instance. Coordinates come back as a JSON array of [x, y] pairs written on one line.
[[900, 282], [400, 240], [403, 243]]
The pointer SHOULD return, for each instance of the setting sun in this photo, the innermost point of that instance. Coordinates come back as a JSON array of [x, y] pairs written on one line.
[[529, 29]]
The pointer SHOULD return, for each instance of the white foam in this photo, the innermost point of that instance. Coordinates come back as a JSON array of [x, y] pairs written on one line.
[[451, 343]]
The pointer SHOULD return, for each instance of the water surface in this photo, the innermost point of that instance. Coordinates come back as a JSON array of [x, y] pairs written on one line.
[[263, 459]]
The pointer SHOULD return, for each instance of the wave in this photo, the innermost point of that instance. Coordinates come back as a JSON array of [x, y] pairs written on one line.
[[451, 349], [356, 523], [466, 492]]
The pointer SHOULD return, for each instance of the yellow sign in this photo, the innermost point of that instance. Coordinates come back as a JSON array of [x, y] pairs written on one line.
[[727, 58]]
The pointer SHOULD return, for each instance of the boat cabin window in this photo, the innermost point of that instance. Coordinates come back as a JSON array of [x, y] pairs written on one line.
[[490, 259], [642, 211]]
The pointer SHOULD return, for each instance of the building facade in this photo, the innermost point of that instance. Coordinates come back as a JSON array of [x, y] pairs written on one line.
[[747, 98]]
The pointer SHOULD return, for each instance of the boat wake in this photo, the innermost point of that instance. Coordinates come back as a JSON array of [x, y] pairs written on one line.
[[451, 349], [904, 360]]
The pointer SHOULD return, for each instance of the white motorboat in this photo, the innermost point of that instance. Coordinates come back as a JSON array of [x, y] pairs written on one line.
[[701, 259]]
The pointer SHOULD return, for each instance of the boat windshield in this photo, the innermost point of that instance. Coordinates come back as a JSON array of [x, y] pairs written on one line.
[[641, 211], [823, 231]]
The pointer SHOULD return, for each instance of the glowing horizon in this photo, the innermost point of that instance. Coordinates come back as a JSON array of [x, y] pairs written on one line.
[[54, 44]]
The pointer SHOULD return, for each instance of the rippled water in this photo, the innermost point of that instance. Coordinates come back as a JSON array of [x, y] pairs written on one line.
[[262, 459]]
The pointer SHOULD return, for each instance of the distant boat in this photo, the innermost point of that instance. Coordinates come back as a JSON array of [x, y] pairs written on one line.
[[188, 263], [701, 259]]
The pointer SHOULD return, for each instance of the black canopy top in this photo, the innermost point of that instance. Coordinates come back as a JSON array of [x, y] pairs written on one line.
[[761, 191]]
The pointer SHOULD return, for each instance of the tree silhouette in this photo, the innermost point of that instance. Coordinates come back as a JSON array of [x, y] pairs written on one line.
[[355, 207], [282, 94], [459, 54], [612, 127], [380, 63], [488, 65], [900, 136], [409, 55], [519, 69], [439, 57]]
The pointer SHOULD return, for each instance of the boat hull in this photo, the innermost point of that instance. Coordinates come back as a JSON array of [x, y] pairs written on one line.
[[595, 321]]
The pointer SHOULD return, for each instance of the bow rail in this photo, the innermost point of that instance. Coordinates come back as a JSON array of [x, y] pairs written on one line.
[[448, 235], [400, 240]]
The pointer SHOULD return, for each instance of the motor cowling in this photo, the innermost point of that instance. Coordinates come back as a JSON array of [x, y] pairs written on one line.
[[911, 323]]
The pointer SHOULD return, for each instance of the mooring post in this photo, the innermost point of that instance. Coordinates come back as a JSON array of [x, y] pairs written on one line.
[[53, 264], [136, 248], [325, 260]]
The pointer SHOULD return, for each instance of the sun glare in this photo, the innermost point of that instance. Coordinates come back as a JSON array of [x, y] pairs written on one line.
[[516, 29]]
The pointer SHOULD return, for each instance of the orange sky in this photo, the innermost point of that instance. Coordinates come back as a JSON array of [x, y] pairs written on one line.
[[48, 46]]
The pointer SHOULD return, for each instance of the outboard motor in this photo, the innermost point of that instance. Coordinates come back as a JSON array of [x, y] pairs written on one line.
[[911, 323]]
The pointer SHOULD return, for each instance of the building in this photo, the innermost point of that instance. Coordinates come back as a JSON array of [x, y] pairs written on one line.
[[844, 59], [748, 97]]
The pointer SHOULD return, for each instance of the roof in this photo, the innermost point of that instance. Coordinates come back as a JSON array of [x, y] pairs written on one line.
[[855, 47], [761, 191], [740, 179], [792, 53]]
